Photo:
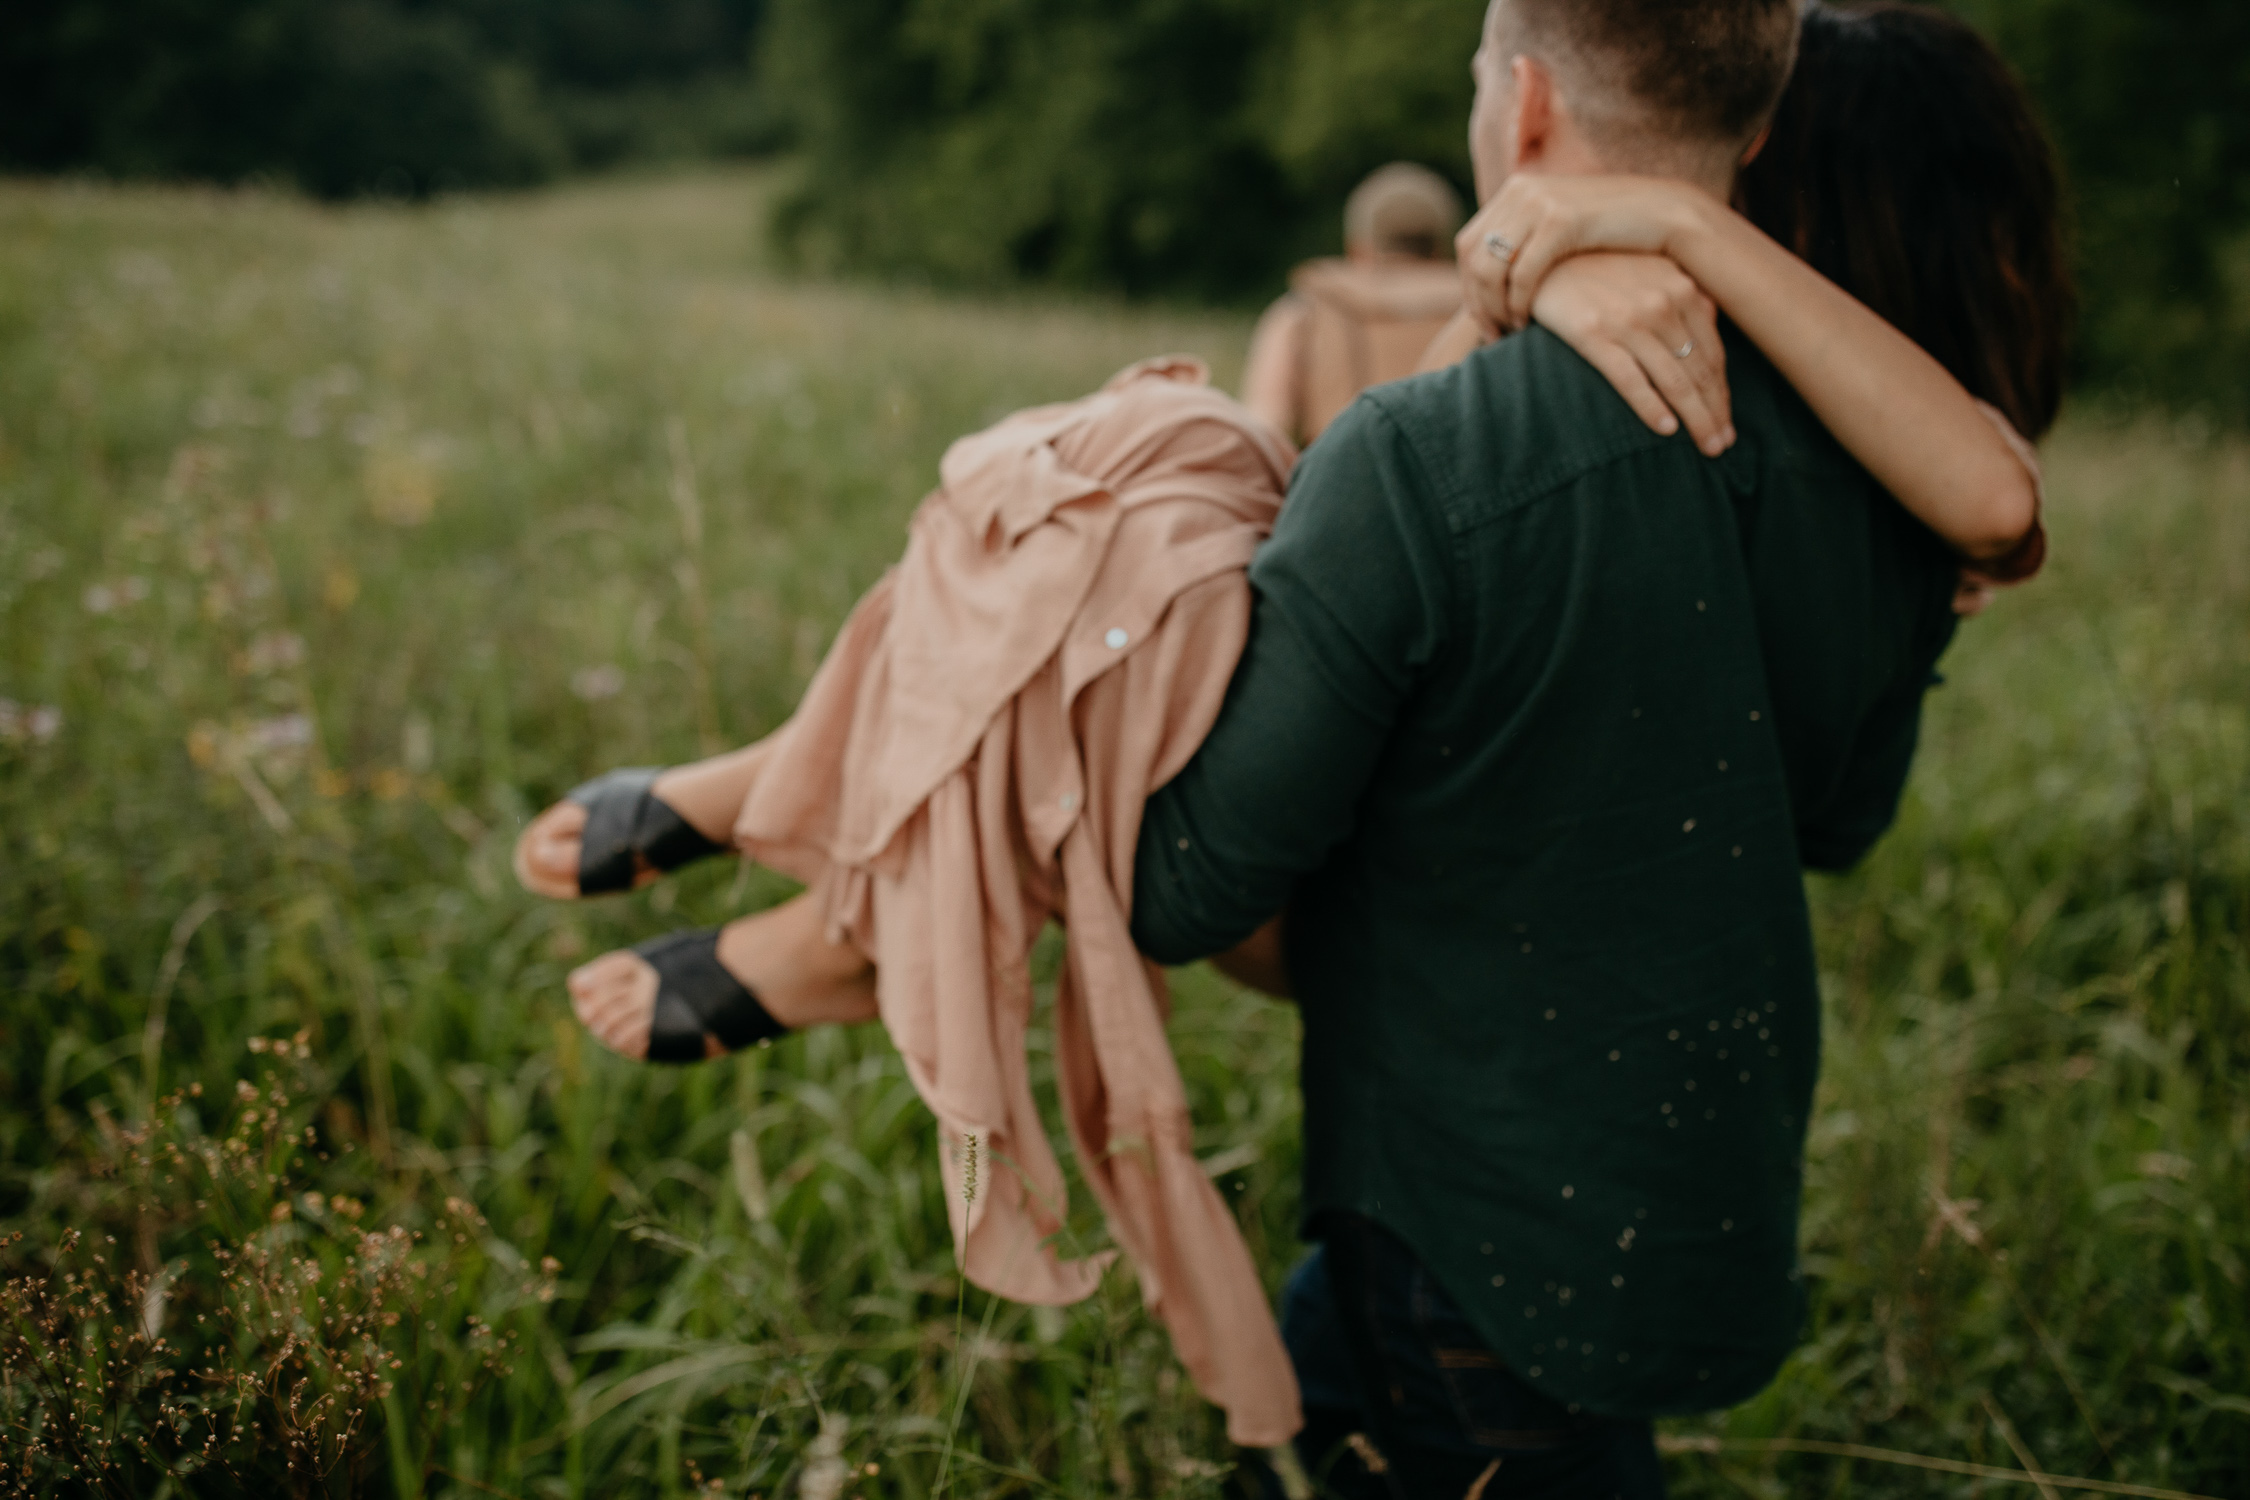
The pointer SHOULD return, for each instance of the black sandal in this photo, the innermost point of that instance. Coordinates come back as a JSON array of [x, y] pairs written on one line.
[[697, 998], [626, 827]]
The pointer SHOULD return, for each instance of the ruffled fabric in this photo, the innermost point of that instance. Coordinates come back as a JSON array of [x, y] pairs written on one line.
[[971, 760]]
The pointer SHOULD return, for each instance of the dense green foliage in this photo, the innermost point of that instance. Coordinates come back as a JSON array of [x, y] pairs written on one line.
[[1174, 147], [333, 542], [1201, 144], [2145, 99], [402, 97], [1156, 145]]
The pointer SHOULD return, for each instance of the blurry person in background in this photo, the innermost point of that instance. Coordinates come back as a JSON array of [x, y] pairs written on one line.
[[1365, 317]]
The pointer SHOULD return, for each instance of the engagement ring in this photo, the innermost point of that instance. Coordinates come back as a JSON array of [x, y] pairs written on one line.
[[1685, 349], [1502, 251]]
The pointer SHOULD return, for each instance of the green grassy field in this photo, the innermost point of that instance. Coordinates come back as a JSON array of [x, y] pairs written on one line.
[[333, 543]]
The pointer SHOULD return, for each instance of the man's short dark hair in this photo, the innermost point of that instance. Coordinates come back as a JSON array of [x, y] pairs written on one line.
[[1696, 71]]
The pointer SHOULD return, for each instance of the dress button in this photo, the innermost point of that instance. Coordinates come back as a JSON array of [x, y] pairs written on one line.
[[1116, 639]]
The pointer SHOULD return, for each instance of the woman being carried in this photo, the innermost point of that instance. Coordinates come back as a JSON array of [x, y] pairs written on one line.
[[969, 760]]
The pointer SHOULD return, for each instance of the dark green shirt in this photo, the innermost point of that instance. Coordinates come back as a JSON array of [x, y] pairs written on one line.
[[1540, 715]]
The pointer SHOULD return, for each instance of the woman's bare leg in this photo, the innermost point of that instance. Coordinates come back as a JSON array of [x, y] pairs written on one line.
[[706, 794], [783, 956], [709, 793]]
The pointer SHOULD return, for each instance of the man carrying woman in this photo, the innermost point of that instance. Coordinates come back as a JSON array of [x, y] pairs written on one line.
[[1541, 706], [1541, 717]]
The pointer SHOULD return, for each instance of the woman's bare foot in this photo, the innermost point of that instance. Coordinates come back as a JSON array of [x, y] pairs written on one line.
[[615, 998], [706, 795], [547, 853], [782, 956]]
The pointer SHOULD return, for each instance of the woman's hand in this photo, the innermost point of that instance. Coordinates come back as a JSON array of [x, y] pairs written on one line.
[[1975, 593], [1539, 220], [1892, 406], [1652, 332], [1534, 251]]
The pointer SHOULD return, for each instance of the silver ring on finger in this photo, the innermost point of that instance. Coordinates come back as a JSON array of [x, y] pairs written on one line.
[[1502, 249], [1685, 349]]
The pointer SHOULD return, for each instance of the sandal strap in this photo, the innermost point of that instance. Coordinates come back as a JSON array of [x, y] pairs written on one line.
[[696, 996], [626, 824]]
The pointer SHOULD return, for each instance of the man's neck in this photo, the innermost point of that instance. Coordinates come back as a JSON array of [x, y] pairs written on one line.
[[1719, 184], [1696, 168], [1701, 167]]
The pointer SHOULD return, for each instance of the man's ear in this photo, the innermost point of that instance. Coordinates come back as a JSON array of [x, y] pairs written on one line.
[[1757, 144], [1533, 135]]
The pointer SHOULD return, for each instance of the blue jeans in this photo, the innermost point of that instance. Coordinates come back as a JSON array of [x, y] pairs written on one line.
[[1383, 1354]]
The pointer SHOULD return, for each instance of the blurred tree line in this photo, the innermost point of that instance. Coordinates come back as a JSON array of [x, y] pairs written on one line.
[[1197, 146], [2149, 104], [399, 97], [1168, 147]]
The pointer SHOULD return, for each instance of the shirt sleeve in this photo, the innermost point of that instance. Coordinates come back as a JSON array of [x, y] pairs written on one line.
[[1352, 595]]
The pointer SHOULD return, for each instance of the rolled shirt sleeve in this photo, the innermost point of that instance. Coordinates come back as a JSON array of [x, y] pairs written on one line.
[[1353, 592]]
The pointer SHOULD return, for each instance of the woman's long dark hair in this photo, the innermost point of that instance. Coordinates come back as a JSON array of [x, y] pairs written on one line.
[[1906, 166]]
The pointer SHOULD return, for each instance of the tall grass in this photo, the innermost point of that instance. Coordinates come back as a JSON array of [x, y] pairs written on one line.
[[332, 543]]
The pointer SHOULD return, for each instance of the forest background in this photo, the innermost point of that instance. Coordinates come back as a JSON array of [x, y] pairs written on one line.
[[1174, 148]]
